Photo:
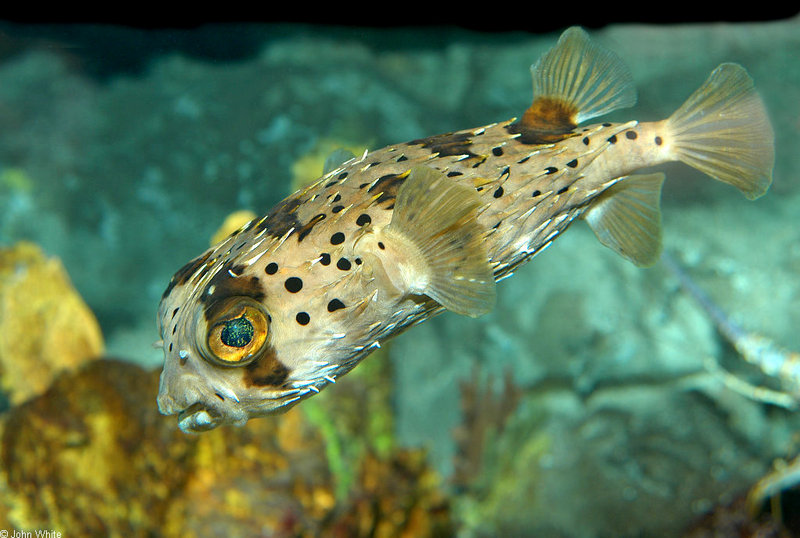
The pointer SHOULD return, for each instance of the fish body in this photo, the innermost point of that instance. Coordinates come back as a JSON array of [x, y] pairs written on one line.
[[293, 300]]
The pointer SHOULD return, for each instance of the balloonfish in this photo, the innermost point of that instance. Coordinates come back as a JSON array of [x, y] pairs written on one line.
[[294, 300]]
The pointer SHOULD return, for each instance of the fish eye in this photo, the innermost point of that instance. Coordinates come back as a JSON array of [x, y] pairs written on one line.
[[237, 334]]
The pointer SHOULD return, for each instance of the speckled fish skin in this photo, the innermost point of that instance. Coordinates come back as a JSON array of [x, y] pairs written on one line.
[[293, 300]]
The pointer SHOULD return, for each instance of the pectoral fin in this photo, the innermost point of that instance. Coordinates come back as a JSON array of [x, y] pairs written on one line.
[[435, 218], [627, 218]]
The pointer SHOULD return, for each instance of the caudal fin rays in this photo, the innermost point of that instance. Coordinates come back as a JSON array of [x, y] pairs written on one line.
[[723, 130]]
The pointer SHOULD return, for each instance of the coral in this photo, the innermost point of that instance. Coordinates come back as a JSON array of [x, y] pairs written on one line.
[[45, 327], [92, 456]]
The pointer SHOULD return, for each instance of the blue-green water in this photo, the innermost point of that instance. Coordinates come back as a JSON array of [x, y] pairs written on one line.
[[131, 165]]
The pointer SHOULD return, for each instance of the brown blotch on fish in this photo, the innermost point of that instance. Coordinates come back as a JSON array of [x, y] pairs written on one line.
[[283, 217], [266, 370], [185, 273], [448, 144], [547, 120], [225, 284], [387, 186]]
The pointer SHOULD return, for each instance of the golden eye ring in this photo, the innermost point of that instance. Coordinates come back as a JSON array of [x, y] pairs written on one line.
[[238, 334]]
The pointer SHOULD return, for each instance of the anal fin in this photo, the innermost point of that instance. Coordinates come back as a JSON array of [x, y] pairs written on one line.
[[436, 219], [627, 218]]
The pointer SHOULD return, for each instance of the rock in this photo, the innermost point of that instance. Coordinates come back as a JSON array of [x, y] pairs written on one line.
[[45, 327]]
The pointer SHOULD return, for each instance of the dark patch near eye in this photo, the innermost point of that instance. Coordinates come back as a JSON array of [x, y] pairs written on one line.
[[454, 174], [225, 285], [363, 219], [573, 163], [550, 170], [266, 370], [585, 140], [448, 144], [337, 208], [283, 217], [337, 238], [302, 318], [271, 268], [335, 305], [631, 135], [498, 193], [293, 284], [306, 229], [325, 258], [343, 264], [186, 272], [536, 193], [562, 190], [613, 139], [658, 141], [497, 152], [387, 185]]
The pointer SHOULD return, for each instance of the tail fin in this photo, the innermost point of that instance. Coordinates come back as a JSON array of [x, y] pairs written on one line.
[[723, 130]]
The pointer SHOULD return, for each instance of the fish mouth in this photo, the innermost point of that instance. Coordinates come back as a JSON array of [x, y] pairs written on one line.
[[199, 417]]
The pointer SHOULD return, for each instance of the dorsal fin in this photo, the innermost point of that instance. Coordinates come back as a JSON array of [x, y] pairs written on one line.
[[627, 218], [574, 81]]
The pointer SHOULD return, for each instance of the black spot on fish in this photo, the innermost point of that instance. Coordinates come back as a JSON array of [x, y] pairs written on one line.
[[613, 139], [606, 125], [402, 158], [325, 258], [306, 229], [337, 238], [335, 305], [293, 284], [302, 318], [562, 190], [337, 198], [550, 170], [175, 312], [363, 185], [658, 141], [337, 208], [497, 152], [343, 264], [573, 163], [332, 183], [585, 140], [343, 175], [536, 193], [631, 135], [266, 370], [358, 261], [454, 174], [498, 193], [381, 245], [170, 347], [271, 268], [363, 219], [523, 160]]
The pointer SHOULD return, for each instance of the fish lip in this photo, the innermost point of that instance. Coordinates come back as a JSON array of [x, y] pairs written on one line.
[[199, 417]]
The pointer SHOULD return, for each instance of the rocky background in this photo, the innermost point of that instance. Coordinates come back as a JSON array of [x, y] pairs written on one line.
[[580, 407]]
